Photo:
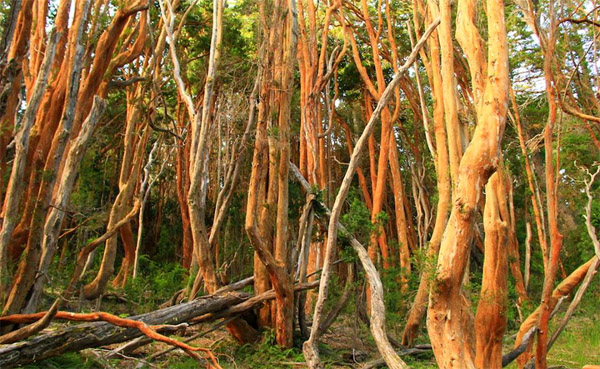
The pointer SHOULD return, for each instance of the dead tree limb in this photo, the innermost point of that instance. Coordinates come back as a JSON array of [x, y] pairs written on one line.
[[413, 351], [250, 304], [30, 330], [195, 336], [87, 335], [310, 347], [82, 336], [144, 340], [230, 314], [512, 355], [148, 330]]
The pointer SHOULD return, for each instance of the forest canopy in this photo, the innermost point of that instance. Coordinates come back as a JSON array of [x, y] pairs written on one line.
[[340, 183]]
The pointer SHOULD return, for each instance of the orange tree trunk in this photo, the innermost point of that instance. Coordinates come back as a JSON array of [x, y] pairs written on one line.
[[449, 319], [277, 87], [419, 306]]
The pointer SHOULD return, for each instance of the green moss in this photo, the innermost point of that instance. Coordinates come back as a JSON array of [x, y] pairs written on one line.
[[71, 360]]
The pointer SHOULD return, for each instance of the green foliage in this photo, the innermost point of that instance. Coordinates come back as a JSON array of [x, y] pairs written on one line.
[[421, 361], [423, 263], [71, 360], [155, 283], [273, 131], [296, 200], [397, 302], [181, 362], [347, 253], [357, 219], [266, 354], [512, 313]]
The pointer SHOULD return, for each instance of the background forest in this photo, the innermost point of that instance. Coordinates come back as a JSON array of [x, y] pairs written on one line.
[[292, 183]]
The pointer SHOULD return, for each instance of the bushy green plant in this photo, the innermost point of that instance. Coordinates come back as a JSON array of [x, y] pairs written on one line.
[[71, 360], [155, 283], [358, 218], [266, 354], [397, 301]]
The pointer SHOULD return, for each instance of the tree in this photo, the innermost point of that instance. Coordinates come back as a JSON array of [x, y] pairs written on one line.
[[449, 312]]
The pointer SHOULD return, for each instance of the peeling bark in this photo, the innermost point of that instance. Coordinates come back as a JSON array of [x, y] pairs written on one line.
[[449, 319]]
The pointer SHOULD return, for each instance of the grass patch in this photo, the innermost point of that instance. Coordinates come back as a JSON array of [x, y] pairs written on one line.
[[71, 360]]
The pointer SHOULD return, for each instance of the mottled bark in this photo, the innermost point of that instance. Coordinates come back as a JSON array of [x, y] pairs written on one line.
[[449, 319], [10, 210], [419, 306], [490, 320]]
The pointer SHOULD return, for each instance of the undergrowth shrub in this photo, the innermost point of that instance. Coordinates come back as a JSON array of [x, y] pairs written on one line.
[[155, 283]]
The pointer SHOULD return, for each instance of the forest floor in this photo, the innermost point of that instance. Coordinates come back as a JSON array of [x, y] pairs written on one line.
[[347, 344]]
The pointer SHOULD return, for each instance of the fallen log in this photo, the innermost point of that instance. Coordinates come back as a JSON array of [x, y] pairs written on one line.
[[236, 285], [91, 335], [406, 351], [251, 303], [229, 313], [88, 335], [150, 331]]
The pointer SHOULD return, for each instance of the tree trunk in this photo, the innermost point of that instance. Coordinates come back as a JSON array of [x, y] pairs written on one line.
[[277, 88], [449, 319], [64, 188], [14, 189], [490, 320], [310, 348], [419, 305]]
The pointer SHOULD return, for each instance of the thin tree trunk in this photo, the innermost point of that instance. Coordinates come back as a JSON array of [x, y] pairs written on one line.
[[310, 348], [63, 191], [551, 197], [535, 201], [13, 193], [490, 321], [419, 305], [527, 256], [563, 289], [401, 218]]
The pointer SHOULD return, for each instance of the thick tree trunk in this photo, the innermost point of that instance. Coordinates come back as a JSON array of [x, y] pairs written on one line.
[[15, 47], [268, 179], [285, 294], [36, 249], [449, 319]]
